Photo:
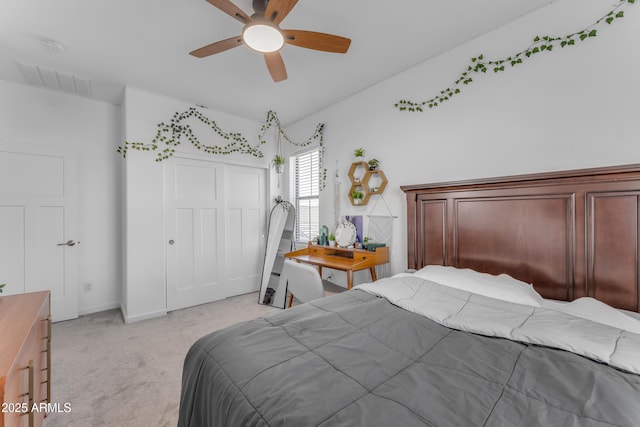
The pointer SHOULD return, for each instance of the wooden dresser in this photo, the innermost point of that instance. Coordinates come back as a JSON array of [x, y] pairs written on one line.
[[25, 358]]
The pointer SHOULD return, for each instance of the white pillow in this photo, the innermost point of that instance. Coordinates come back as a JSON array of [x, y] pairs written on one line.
[[502, 287], [596, 311]]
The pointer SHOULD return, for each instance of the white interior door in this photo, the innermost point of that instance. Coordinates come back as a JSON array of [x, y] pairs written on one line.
[[39, 224], [213, 239], [245, 224]]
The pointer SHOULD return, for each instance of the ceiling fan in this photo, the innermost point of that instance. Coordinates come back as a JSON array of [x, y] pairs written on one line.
[[262, 33]]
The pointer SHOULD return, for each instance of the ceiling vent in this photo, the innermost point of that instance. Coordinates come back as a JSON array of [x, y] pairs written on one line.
[[55, 79]]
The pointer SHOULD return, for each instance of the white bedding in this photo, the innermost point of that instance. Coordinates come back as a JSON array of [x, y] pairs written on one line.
[[597, 311], [506, 288], [494, 316]]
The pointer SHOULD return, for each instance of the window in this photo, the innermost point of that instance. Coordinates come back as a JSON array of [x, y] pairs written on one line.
[[305, 193]]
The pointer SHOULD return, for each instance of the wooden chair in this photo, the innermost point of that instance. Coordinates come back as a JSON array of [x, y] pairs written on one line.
[[304, 281]]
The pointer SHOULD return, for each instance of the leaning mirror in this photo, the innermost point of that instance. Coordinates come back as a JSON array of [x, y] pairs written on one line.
[[279, 241]]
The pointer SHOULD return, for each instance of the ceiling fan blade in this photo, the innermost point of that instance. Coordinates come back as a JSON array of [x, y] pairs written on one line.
[[231, 9], [217, 47], [276, 67], [317, 41], [277, 10]]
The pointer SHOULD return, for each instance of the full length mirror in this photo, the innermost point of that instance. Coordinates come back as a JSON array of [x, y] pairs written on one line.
[[280, 240]]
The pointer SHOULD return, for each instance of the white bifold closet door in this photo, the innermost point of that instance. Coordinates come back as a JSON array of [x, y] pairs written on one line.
[[214, 228]]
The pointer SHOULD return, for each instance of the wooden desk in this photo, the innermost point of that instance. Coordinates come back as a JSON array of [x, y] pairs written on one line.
[[348, 260]]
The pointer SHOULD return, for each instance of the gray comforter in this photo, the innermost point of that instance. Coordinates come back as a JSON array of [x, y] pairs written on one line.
[[356, 359]]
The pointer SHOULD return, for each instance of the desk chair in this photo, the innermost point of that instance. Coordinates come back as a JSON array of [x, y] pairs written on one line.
[[304, 281]]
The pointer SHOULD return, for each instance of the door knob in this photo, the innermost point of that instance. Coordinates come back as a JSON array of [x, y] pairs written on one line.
[[171, 242], [67, 243]]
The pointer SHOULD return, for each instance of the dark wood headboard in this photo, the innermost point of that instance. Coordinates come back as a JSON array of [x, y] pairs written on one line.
[[571, 234]]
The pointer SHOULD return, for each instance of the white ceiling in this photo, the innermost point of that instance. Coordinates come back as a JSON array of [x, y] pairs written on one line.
[[145, 44]]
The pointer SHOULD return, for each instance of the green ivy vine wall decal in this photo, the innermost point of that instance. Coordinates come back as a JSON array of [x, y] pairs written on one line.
[[173, 134], [317, 137], [539, 44]]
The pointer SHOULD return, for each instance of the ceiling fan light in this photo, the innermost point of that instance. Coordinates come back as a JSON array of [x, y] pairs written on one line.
[[263, 38]]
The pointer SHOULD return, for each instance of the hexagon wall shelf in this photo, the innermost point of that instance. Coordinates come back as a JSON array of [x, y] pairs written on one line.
[[368, 182]]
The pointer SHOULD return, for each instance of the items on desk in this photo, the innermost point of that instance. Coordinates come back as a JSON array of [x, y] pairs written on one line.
[[324, 235], [373, 246], [356, 220], [345, 234]]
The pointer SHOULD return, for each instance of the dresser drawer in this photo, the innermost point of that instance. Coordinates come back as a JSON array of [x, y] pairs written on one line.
[[25, 380]]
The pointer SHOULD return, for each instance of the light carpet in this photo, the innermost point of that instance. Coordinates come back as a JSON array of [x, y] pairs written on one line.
[[117, 374]]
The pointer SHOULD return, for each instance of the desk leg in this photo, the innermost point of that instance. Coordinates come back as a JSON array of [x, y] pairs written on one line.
[[320, 271], [374, 277], [349, 279]]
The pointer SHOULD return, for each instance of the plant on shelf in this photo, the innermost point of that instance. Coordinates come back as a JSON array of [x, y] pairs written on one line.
[[357, 194], [357, 197], [359, 153], [278, 162], [373, 164]]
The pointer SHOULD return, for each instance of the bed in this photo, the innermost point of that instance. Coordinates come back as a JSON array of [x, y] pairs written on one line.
[[465, 340]]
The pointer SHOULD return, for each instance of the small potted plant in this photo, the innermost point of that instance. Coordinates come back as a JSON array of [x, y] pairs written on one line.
[[332, 239], [357, 197], [278, 162], [359, 153], [373, 164], [2, 285]]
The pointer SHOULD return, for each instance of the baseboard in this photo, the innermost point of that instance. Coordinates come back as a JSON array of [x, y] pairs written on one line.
[[97, 308], [140, 317]]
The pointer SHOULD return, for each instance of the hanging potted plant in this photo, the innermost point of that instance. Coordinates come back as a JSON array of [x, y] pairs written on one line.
[[278, 162], [359, 153], [357, 197], [373, 164]]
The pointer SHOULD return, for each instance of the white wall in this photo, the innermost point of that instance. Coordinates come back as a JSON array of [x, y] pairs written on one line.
[[145, 243], [575, 107], [41, 117], [37, 116]]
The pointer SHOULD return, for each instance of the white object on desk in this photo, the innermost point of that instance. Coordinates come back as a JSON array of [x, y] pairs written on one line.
[[345, 234]]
